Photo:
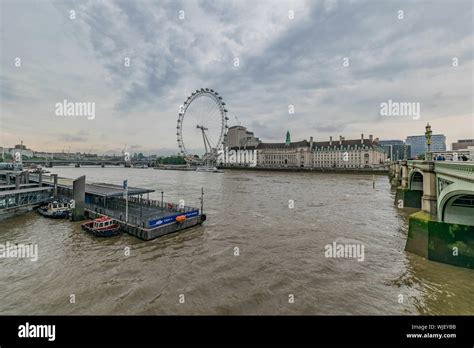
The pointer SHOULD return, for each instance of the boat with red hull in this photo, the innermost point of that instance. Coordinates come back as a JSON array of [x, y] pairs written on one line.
[[102, 227]]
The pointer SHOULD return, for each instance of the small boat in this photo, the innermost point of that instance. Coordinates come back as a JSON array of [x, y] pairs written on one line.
[[140, 166], [36, 169], [56, 210], [39, 170], [208, 169], [102, 227]]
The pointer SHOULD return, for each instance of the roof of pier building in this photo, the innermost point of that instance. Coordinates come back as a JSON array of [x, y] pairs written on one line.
[[24, 190], [111, 190], [104, 190], [97, 189]]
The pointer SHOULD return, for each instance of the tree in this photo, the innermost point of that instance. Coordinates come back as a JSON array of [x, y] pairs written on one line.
[[7, 158], [171, 160]]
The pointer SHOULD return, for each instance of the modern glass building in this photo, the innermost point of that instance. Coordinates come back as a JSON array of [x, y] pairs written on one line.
[[419, 147], [395, 149]]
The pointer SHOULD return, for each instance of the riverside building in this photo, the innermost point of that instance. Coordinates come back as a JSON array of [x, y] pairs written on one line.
[[396, 149], [419, 147], [355, 153], [343, 154], [240, 137]]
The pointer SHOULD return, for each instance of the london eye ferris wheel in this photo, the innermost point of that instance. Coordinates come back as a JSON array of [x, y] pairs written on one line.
[[202, 125]]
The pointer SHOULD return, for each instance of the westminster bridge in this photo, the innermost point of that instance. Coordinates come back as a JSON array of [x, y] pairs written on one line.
[[49, 163], [443, 191]]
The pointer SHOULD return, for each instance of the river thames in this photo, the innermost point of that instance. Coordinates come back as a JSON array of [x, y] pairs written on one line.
[[254, 254]]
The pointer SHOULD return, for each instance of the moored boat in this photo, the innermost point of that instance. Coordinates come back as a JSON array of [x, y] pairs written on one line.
[[141, 166], [208, 169], [55, 210], [36, 169], [102, 227]]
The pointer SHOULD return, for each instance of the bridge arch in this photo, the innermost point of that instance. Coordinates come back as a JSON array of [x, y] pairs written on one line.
[[456, 205], [415, 180]]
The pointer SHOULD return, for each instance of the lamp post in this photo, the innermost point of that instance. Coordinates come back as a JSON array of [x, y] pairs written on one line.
[[428, 141]]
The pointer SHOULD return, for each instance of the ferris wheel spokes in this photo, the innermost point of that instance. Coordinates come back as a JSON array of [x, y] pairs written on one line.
[[205, 110]]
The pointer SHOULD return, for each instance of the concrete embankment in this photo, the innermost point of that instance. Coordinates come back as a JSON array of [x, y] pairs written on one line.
[[312, 170]]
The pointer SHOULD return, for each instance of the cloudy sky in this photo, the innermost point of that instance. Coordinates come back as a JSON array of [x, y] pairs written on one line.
[[421, 55]]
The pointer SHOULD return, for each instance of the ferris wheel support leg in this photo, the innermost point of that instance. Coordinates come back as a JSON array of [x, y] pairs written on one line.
[[204, 140], [208, 143]]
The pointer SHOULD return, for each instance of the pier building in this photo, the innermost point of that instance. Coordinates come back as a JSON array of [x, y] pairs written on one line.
[[18, 195], [136, 213]]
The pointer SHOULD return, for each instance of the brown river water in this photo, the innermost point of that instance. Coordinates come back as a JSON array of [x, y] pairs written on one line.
[[281, 267]]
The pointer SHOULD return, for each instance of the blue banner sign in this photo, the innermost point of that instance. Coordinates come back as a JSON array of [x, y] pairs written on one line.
[[170, 219]]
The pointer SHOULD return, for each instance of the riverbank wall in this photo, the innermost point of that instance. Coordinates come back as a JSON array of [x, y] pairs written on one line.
[[312, 170]]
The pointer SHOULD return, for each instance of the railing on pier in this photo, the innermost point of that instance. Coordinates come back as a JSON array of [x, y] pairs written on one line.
[[24, 197], [140, 211]]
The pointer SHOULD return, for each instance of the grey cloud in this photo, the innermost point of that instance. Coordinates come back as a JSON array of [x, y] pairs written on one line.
[[283, 62], [78, 137], [330, 128]]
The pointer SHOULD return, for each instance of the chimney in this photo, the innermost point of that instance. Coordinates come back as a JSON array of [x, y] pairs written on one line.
[[340, 140], [362, 138], [330, 140], [310, 143], [371, 138]]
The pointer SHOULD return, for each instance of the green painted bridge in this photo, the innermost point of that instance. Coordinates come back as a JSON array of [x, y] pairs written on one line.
[[446, 189], [443, 229], [454, 191]]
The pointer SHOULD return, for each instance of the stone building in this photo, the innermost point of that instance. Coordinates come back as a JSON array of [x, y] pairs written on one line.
[[240, 137], [20, 148], [462, 144], [358, 153], [294, 154]]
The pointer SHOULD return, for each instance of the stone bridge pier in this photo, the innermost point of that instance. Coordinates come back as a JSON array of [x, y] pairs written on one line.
[[441, 197], [404, 166], [428, 200]]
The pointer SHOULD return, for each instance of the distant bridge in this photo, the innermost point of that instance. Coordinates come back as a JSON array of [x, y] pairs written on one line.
[[85, 161]]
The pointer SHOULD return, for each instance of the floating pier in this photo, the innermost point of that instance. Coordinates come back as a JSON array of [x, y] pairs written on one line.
[[22, 196], [138, 215]]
